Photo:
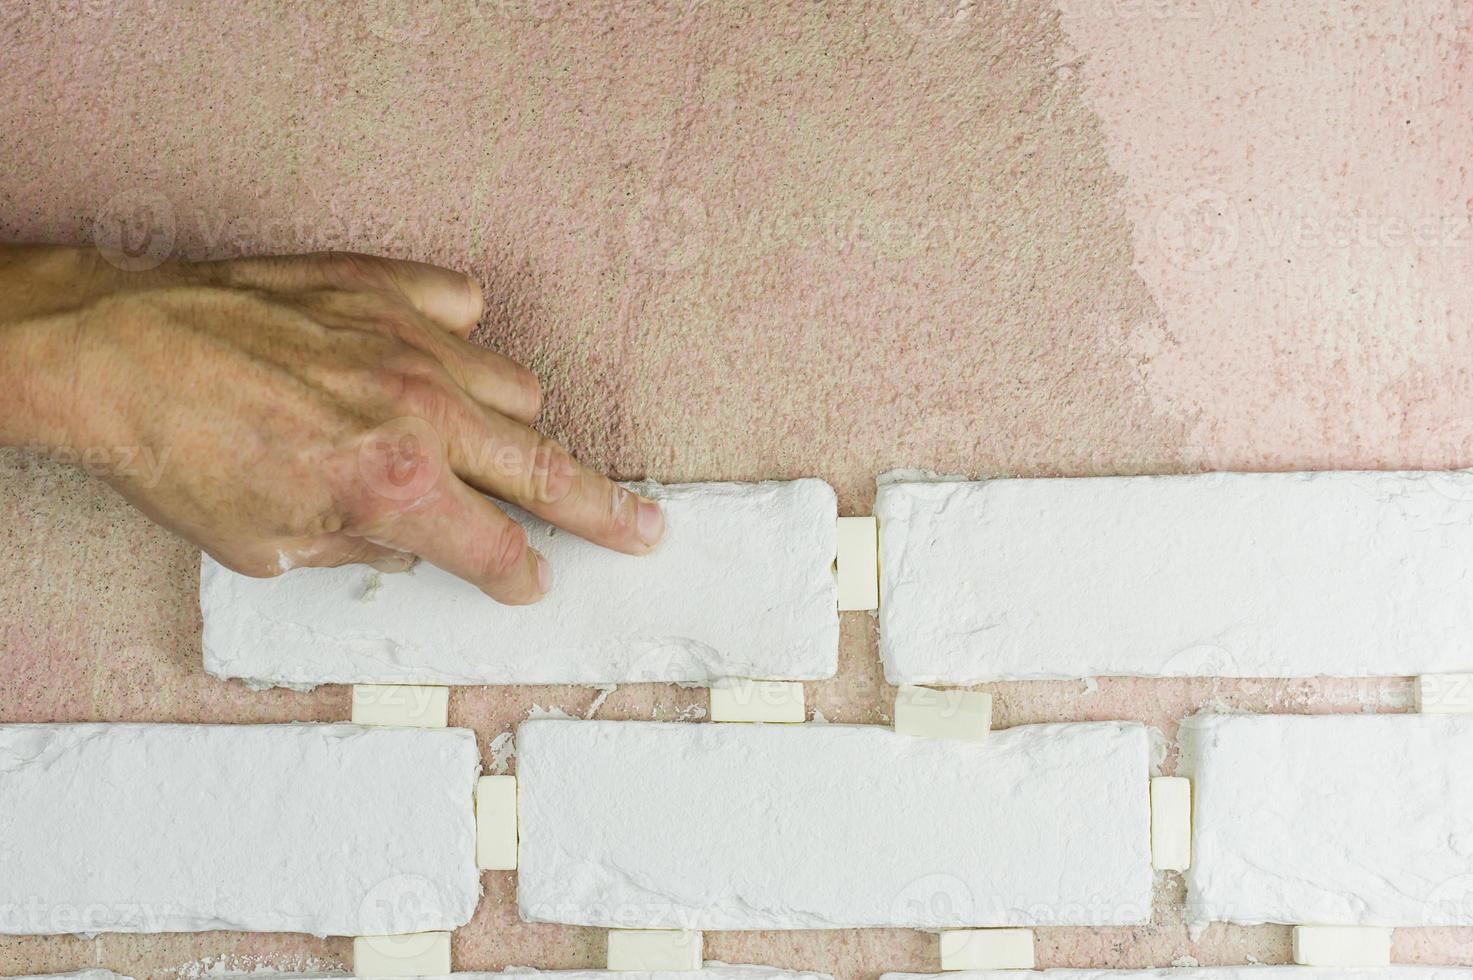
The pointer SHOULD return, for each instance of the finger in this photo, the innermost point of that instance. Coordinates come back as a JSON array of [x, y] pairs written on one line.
[[458, 530], [495, 381], [450, 300], [508, 460]]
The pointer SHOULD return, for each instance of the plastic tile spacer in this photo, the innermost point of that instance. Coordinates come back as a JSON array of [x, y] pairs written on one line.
[[930, 713], [857, 565], [415, 954], [987, 949], [654, 950], [1171, 823], [496, 823], [1342, 946], [1443, 694], [739, 699], [401, 705]]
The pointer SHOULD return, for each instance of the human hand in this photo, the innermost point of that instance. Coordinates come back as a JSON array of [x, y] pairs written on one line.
[[310, 410]]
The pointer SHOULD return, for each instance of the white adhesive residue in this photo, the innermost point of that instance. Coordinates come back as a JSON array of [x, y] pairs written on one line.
[[598, 702], [659, 825], [1160, 748], [1221, 574], [503, 750], [741, 586], [1332, 820], [266, 966], [324, 829], [79, 975]]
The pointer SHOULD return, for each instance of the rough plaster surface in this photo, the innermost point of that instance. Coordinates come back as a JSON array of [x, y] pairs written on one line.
[[745, 241], [1301, 204]]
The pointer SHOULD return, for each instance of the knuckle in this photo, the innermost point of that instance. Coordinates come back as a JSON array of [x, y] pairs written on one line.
[[397, 464], [399, 322], [410, 362], [324, 520], [621, 512], [349, 268], [333, 305], [475, 300], [531, 390], [413, 380], [420, 397], [506, 550], [552, 474]]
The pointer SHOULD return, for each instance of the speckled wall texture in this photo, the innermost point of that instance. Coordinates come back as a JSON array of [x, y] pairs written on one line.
[[744, 240]]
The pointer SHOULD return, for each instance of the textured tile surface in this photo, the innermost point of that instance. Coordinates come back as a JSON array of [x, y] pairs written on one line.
[[657, 826], [1341, 821], [742, 585], [330, 830], [1343, 574]]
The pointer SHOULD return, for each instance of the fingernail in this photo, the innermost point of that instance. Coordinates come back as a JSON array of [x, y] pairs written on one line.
[[544, 573], [651, 522]]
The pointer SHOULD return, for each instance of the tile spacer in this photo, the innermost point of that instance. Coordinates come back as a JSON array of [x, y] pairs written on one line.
[[857, 564], [928, 712]]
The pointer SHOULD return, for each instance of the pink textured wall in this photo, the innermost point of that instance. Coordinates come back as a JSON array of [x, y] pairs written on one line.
[[1301, 203], [764, 240]]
